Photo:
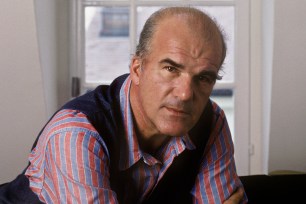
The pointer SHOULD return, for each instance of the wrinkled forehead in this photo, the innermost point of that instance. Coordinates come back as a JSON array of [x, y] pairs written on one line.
[[185, 33]]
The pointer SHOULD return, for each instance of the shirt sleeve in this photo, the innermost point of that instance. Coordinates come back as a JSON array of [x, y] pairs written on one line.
[[70, 163], [217, 178]]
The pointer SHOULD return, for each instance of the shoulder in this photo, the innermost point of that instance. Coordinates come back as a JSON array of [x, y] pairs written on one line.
[[69, 120], [220, 138], [101, 99], [71, 144], [68, 129], [217, 110], [219, 120]]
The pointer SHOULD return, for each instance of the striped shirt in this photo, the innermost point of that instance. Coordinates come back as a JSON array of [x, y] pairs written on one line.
[[70, 163]]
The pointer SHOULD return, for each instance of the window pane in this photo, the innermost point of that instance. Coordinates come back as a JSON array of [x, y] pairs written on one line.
[[107, 49], [143, 13], [225, 16]]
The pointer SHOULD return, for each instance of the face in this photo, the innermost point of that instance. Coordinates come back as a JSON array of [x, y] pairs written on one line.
[[172, 84]]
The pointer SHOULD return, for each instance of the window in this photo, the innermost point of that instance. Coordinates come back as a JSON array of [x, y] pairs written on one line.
[[107, 44], [106, 34]]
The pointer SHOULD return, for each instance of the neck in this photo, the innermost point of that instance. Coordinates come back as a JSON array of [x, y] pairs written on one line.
[[152, 144], [150, 140]]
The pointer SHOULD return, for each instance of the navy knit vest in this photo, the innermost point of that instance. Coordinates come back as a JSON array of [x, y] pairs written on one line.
[[102, 108]]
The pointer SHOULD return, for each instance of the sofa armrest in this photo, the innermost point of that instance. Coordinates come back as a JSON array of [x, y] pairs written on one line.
[[262, 189]]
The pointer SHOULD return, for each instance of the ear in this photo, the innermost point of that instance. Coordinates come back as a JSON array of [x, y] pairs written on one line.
[[135, 69]]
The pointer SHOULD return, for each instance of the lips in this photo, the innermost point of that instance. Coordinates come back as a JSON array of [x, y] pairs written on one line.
[[177, 111]]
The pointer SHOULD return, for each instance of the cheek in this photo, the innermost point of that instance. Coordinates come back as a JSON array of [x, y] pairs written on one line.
[[153, 86], [153, 93], [200, 102], [149, 92]]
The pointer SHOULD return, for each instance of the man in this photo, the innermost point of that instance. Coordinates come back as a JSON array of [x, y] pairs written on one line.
[[152, 136]]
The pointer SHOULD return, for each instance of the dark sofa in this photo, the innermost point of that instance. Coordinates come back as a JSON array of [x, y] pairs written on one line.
[[287, 189]]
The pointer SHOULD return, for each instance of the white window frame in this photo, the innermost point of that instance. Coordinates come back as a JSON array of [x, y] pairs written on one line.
[[241, 84]]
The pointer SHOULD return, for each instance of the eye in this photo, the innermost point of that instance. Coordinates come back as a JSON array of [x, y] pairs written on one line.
[[207, 79], [170, 69]]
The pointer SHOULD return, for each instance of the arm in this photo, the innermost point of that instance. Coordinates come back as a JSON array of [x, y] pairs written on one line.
[[217, 179], [235, 198], [73, 164]]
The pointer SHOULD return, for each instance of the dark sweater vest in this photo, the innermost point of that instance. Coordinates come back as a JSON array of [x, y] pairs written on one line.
[[102, 108]]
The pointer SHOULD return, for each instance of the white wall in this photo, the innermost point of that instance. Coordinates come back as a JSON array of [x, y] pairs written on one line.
[[63, 45], [34, 74], [288, 99], [267, 22], [53, 36], [45, 13], [22, 104]]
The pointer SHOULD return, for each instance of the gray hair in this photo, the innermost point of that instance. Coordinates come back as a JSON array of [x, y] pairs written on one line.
[[211, 28]]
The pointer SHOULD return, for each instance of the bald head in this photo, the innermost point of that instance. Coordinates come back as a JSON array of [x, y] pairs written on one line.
[[194, 19]]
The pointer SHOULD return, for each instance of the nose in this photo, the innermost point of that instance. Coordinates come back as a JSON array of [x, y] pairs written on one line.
[[184, 88]]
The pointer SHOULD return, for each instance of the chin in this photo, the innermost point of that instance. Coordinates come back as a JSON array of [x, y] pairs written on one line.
[[174, 134], [173, 130]]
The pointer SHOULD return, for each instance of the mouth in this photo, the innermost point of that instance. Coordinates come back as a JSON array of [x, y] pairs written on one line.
[[177, 111]]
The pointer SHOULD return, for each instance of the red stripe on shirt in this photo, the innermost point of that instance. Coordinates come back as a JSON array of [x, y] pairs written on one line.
[[54, 164], [80, 159], [207, 184], [67, 158], [94, 176], [50, 193], [218, 170]]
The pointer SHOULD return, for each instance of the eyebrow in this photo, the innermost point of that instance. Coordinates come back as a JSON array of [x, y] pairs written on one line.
[[213, 74], [171, 62], [208, 72]]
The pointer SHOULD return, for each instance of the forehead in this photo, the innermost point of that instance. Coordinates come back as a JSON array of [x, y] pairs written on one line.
[[176, 36]]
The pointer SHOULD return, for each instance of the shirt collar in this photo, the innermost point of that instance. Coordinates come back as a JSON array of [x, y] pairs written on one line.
[[130, 152]]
